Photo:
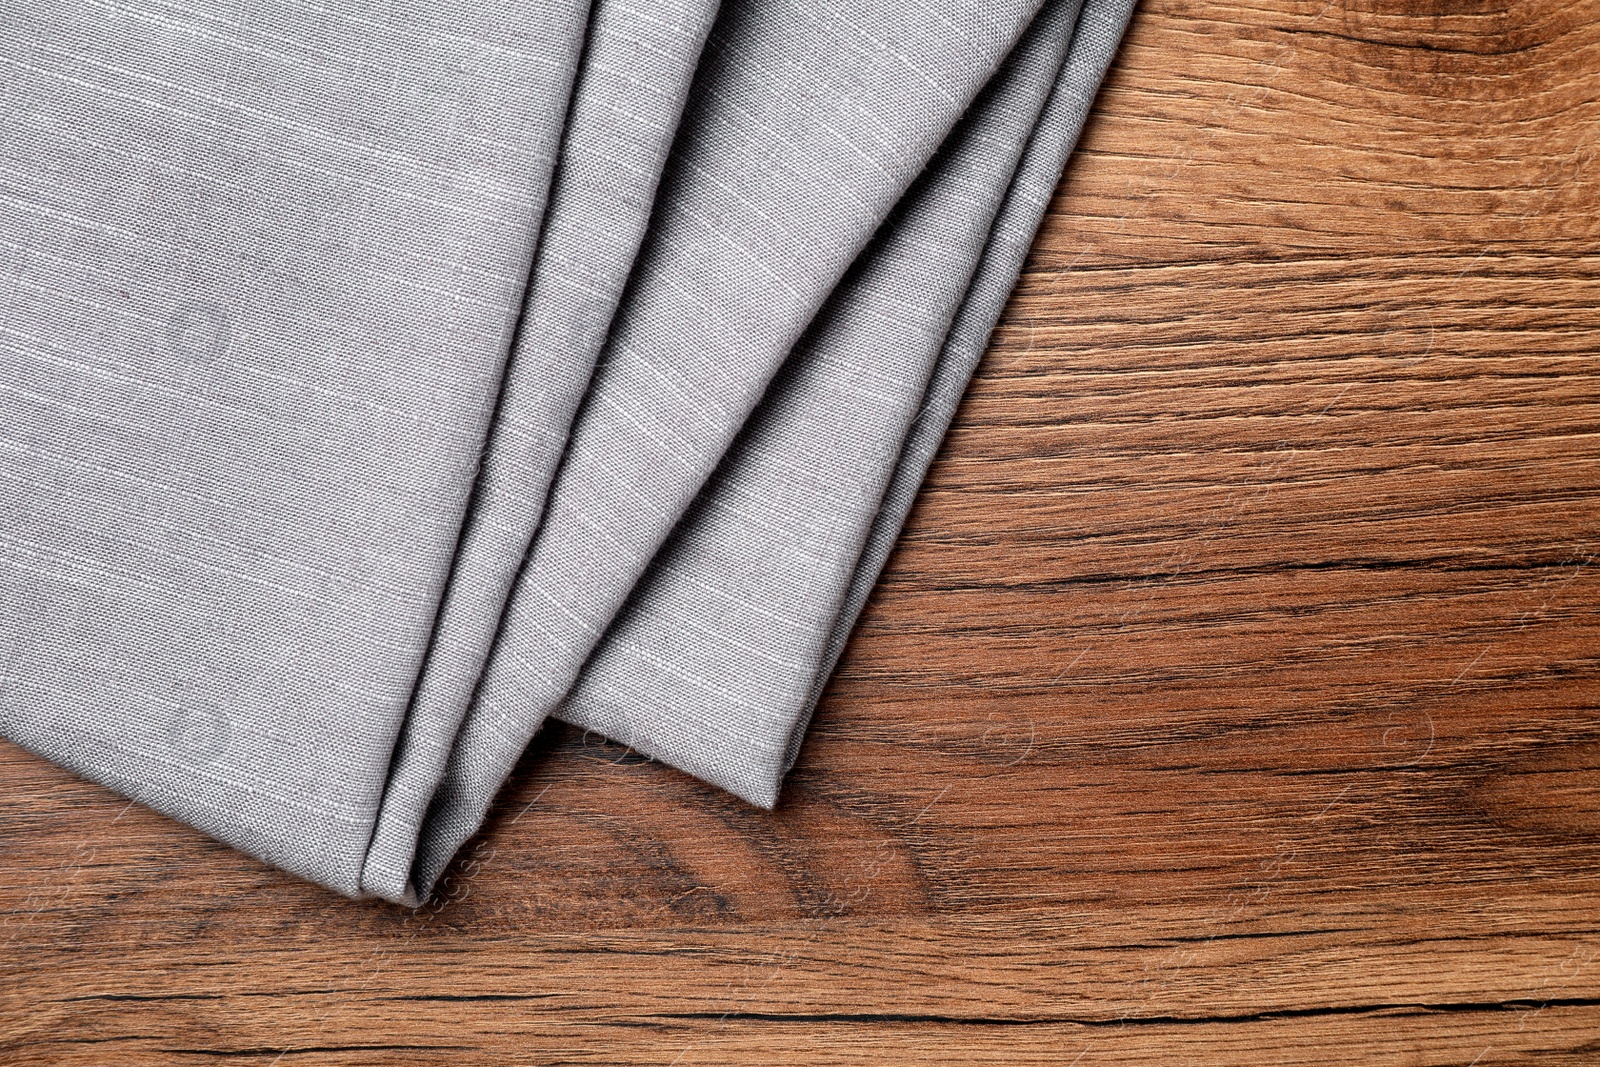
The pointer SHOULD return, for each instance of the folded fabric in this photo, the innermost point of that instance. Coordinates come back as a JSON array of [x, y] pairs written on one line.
[[377, 380]]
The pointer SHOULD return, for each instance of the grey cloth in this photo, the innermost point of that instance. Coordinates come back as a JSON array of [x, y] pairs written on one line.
[[377, 381]]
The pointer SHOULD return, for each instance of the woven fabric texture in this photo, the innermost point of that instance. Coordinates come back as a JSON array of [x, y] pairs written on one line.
[[380, 380]]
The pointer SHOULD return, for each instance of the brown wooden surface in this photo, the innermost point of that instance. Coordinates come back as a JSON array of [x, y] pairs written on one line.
[[1232, 699]]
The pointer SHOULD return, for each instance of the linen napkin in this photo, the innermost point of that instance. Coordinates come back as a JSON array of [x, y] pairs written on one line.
[[377, 380]]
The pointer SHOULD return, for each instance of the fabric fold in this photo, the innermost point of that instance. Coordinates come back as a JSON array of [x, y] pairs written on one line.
[[630, 94], [376, 383], [788, 539]]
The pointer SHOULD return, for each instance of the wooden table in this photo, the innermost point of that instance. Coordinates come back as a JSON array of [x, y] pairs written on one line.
[[1232, 698]]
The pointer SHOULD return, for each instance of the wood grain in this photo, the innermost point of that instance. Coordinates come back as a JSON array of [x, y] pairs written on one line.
[[1232, 698]]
